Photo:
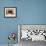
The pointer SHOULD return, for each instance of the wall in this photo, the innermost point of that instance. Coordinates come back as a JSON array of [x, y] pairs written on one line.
[[33, 12], [28, 12]]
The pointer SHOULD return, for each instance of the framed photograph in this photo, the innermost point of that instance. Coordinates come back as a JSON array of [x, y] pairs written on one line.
[[33, 32], [10, 12]]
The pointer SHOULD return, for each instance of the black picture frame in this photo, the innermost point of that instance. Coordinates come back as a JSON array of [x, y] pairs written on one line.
[[15, 15]]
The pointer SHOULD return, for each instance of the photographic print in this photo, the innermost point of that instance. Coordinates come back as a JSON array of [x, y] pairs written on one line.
[[33, 32], [10, 12]]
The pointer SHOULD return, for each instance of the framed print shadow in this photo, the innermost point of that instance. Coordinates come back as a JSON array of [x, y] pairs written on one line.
[[10, 12]]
